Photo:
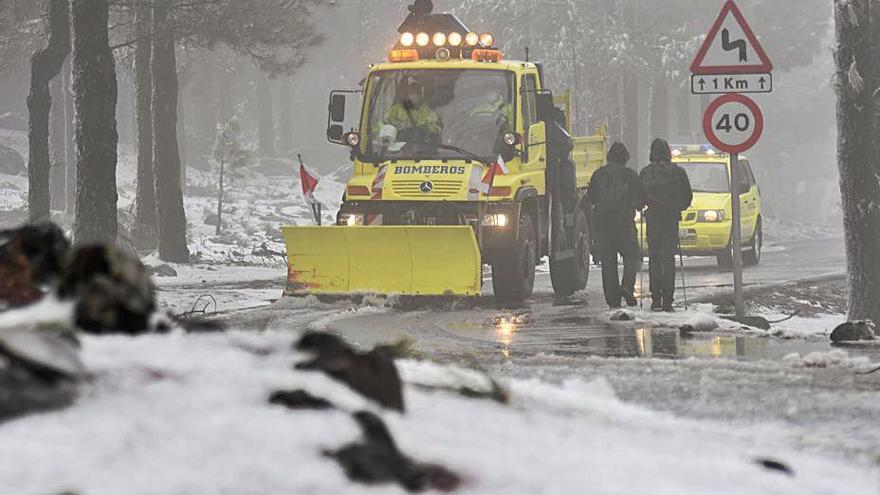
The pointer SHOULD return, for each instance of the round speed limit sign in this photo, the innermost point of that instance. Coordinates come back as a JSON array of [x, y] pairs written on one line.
[[733, 123]]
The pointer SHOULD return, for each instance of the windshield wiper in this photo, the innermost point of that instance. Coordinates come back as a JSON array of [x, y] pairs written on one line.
[[466, 153]]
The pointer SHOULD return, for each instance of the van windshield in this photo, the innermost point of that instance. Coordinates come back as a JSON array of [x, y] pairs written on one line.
[[414, 113], [707, 177]]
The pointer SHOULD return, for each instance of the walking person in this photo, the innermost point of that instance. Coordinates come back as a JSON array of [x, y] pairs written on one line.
[[616, 194], [667, 193]]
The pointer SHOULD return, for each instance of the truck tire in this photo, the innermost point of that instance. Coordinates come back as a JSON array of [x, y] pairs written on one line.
[[571, 275], [513, 275]]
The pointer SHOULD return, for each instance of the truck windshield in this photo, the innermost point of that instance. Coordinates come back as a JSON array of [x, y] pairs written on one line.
[[411, 112], [707, 177]]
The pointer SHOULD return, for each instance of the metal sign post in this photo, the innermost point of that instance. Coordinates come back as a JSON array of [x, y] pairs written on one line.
[[736, 236]]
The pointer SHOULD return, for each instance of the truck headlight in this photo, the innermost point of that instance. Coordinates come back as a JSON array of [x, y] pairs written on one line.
[[711, 216], [495, 220], [351, 219]]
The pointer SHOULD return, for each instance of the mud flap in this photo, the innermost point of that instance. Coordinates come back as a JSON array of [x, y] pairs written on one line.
[[408, 261]]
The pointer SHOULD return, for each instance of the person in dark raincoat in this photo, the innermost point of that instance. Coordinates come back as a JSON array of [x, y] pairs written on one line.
[[616, 194], [668, 193]]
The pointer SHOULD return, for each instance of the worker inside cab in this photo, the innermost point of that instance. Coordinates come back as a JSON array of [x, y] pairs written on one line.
[[420, 114], [412, 116], [497, 107]]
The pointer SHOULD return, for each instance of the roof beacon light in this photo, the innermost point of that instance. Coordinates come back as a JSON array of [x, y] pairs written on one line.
[[397, 56], [472, 39], [422, 39], [407, 39], [454, 39], [487, 55], [487, 40], [439, 39]]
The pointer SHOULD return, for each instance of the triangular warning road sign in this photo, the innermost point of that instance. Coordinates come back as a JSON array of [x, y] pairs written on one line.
[[731, 47]]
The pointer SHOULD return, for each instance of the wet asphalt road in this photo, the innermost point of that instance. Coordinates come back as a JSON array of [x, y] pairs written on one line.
[[543, 326]]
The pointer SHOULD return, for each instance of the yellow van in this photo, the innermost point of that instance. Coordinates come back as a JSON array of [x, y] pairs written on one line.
[[705, 228]]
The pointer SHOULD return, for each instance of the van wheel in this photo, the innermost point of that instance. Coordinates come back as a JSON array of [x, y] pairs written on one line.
[[725, 259], [571, 275], [752, 257], [513, 275]]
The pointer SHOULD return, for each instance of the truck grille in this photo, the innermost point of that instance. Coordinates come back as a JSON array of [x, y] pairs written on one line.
[[411, 188]]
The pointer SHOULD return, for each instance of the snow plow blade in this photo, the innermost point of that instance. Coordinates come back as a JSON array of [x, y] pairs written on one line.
[[406, 261]]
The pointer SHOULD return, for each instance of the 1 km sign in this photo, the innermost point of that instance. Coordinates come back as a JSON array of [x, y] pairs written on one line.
[[733, 123]]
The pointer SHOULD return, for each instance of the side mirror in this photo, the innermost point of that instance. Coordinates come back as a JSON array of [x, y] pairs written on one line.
[[334, 133], [337, 108]]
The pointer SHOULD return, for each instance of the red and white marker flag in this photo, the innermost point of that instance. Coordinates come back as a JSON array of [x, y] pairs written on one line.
[[497, 168], [309, 184], [378, 183]]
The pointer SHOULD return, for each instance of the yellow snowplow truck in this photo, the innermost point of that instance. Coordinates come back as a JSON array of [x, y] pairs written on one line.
[[423, 212]]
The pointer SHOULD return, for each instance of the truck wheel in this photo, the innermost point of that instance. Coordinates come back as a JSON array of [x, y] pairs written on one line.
[[513, 275], [571, 275], [752, 257]]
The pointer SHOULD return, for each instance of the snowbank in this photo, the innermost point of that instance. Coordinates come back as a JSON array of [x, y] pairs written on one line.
[[188, 414]]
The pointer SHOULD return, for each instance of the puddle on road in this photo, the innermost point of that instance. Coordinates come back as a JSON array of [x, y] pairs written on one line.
[[518, 335]]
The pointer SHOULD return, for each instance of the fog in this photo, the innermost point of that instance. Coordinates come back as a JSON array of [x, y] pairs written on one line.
[[795, 160]]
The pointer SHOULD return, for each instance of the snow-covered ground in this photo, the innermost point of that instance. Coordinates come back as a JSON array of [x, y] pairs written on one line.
[[258, 201], [189, 414]]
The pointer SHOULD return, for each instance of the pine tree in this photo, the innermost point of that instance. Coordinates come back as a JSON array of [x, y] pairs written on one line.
[[857, 57], [231, 156], [145, 229], [45, 65], [94, 99], [166, 153]]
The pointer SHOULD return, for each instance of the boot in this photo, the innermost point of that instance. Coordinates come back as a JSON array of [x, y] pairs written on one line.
[[656, 304]]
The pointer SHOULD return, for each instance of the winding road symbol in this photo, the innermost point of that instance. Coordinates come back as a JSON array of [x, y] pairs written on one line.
[[740, 45]]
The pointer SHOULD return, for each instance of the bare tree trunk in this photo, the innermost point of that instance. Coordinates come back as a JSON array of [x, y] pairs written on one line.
[[94, 91], [145, 229], [631, 135], [181, 135], [45, 65], [659, 108], [285, 116], [69, 148], [166, 154], [56, 144], [224, 99], [265, 119], [683, 122], [858, 121], [207, 117], [220, 201]]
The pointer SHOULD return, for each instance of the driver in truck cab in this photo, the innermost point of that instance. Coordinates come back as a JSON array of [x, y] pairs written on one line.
[[414, 119]]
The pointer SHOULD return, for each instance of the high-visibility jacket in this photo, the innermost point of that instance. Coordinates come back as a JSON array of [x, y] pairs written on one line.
[[423, 118], [499, 108]]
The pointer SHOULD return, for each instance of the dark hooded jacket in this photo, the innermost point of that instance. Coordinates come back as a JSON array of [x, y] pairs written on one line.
[[666, 186], [615, 189]]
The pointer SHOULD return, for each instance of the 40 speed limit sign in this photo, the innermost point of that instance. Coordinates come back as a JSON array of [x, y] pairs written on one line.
[[733, 123]]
